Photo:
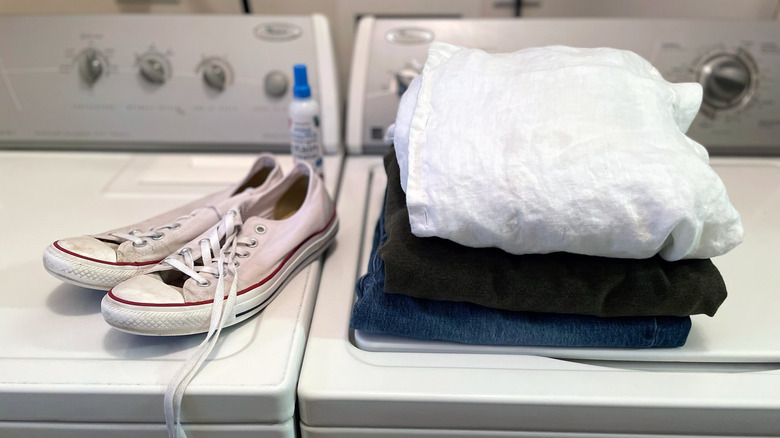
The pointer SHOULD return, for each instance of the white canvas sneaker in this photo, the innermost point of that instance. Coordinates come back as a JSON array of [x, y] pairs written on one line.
[[101, 261], [259, 244]]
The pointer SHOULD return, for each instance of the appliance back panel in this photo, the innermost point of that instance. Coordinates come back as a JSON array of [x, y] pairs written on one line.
[[159, 82], [393, 51]]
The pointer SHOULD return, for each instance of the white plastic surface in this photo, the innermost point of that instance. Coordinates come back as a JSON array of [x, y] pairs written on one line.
[[344, 386], [363, 432], [12, 429], [40, 55], [61, 362], [354, 128], [330, 99]]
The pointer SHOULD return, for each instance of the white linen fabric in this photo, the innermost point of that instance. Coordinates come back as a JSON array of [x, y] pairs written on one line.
[[559, 149]]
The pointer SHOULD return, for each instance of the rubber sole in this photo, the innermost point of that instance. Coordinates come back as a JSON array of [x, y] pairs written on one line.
[[192, 319]]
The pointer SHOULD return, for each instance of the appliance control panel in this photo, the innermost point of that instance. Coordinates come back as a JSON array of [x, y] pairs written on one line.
[[736, 62], [161, 82]]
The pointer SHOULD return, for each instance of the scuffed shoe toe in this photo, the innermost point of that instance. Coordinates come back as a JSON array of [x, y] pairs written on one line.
[[146, 289], [88, 247]]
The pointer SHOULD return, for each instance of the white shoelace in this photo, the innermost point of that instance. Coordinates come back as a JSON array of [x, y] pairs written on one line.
[[138, 237], [222, 311]]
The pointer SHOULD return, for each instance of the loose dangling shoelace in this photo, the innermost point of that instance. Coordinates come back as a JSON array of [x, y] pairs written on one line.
[[138, 237], [222, 311]]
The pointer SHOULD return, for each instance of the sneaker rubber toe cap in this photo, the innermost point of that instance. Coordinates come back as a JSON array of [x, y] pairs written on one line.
[[88, 247], [147, 289]]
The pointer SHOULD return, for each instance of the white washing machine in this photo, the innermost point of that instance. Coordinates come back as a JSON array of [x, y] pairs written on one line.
[[724, 382], [107, 120]]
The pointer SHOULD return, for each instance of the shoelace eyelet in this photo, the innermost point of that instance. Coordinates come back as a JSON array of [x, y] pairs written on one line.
[[231, 213], [242, 255], [215, 275], [260, 229], [252, 244], [236, 264], [184, 251], [175, 226], [206, 283], [145, 242], [158, 236]]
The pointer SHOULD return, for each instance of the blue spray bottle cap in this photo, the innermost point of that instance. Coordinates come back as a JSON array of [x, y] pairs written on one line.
[[301, 88]]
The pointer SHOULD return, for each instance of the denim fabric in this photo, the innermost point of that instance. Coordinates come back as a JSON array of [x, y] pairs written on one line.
[[378, 312]]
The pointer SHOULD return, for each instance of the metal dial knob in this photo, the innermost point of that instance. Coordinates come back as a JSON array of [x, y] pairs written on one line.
[[154, 68], [216, 73], [727, 80], [92, 65], [276, 83]]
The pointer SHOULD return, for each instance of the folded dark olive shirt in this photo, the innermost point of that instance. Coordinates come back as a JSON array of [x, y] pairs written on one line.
[[439, 269]]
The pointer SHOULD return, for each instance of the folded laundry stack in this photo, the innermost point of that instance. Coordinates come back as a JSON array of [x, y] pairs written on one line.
[[546, 197]]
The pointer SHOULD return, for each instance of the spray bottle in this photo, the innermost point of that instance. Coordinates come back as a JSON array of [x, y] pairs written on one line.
[[305, 122]]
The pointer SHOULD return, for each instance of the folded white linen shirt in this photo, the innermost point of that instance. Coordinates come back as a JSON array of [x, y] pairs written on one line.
[[559, 149]]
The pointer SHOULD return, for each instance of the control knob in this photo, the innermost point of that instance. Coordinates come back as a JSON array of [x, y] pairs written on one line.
[[154, 67], [728, 81], [216, 73], [92, 65], [276, 83]]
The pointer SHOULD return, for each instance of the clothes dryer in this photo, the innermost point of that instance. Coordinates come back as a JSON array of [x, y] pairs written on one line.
[[723, 382], [108, 120]]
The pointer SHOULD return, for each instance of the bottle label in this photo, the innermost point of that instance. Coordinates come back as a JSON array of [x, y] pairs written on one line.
[[306, 144]]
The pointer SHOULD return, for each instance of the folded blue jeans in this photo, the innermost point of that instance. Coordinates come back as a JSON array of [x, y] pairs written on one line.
[[378, 312]]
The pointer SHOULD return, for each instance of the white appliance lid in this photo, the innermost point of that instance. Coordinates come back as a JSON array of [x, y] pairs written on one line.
[[61, 362], [344, 386]]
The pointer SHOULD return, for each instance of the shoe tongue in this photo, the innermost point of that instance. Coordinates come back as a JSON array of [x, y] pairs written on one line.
[[214, 257], [110, 241]]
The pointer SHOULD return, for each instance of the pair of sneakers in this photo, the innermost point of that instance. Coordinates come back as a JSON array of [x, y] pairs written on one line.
[[166, 275]]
